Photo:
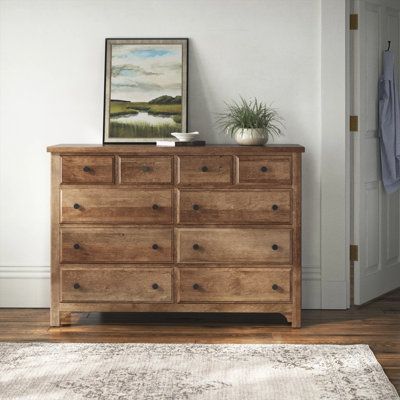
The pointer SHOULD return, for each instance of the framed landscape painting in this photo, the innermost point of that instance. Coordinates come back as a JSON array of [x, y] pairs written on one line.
[[145, 89]]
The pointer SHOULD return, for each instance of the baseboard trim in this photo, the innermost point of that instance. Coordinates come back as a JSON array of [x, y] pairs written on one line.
[[24, 272], [29, 287], [311, 287], [24, 287], [334, 295]]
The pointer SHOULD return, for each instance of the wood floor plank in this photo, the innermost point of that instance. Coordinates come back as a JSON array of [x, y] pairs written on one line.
[[376, 324]]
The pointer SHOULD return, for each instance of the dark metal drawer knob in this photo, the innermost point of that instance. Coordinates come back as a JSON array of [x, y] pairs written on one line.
[[86, 168], [275, 286], [155, 286], [196, 207], [196, 246], [155, 246], [263, 169], [77, 285], [146, 168], [76, 206], [196, 286], [275, 247], [275, 207], [77, 246], [204, 168], [155, 207]]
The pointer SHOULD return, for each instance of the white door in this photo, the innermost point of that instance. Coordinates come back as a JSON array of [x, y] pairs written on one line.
[[375, 214]]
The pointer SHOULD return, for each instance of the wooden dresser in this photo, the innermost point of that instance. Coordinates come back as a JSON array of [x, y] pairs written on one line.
[[183, 229]]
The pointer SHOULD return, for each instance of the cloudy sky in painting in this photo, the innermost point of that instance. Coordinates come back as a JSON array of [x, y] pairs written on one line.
[[144, 72]]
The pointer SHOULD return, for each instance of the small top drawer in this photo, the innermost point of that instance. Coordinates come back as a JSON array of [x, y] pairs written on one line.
[[265, 169], [87, 169], [146, 170], [199, 169]]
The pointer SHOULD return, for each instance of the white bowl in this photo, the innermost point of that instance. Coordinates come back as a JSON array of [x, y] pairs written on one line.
[[185, 136]]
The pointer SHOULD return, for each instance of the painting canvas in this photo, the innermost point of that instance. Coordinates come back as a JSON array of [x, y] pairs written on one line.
[[145, 90]]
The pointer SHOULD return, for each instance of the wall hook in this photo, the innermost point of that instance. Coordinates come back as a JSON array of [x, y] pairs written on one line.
[[389, 41]]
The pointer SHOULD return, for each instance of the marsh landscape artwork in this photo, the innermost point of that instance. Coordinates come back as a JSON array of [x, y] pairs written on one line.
[[145, 89]]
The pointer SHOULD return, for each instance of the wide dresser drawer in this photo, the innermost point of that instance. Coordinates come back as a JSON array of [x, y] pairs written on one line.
[[234, 245], [235, 206], [122, 284], [234, 285], [116, 205], [115, 245], [87, 169]]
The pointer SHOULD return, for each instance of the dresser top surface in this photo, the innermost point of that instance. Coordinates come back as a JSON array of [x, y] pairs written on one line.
[[155, 150]]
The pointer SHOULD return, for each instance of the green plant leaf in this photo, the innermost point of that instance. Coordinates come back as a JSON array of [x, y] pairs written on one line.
[[249, 114]]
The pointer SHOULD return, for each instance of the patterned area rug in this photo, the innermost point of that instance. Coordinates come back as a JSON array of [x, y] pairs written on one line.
[[49, 371]]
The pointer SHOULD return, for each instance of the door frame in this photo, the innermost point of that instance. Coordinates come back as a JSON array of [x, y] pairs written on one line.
[[373, 284]]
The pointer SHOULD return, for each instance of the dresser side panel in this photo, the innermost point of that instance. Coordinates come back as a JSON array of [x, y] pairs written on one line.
[[55, 239], [296, 314]]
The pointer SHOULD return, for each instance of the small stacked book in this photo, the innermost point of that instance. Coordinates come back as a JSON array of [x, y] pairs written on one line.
[[171, 143]]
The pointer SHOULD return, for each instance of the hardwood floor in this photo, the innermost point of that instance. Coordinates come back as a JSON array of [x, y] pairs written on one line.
[[376, 324]]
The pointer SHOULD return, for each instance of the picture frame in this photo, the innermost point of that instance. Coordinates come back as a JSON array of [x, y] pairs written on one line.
[[145, 90]]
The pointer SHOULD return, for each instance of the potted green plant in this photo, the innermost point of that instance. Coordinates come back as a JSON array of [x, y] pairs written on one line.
[[250, 122]]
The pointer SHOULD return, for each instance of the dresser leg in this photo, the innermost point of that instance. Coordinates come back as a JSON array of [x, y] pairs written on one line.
[[65, 318], [293, 318], [55, 319], [288, 316], [296, 322]]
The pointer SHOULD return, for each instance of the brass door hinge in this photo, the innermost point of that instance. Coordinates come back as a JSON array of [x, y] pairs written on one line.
[[353, 123], [353, 22], [354, 252]]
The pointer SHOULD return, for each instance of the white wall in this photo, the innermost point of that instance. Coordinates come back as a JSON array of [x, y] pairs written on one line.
[[51, 91]]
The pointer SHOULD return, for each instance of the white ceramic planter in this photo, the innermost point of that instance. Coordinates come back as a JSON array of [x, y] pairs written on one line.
[[251, 137]]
